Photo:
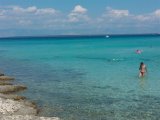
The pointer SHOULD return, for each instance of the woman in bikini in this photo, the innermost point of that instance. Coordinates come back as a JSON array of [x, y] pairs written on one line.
[[142, 69]]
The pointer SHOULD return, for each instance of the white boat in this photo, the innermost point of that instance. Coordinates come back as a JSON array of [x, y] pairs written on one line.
[[107, 36]]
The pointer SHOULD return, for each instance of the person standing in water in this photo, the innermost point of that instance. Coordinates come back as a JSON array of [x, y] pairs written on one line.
[[142, 69]]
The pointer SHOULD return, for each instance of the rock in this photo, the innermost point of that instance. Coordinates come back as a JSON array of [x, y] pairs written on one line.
[[5, 83], [29, 103], [11, 107], [12, 96], [27, 117], [11, 88], [19, 110], [14, 107], [6, 78]]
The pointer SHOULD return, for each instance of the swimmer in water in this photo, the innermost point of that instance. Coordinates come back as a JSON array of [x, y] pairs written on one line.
[[138, 51], [142, 69]]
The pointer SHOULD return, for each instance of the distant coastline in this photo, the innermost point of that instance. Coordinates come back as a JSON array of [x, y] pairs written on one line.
[[81, 36]]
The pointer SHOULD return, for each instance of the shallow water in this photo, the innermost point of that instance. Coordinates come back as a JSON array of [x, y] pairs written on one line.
[[87, 78]]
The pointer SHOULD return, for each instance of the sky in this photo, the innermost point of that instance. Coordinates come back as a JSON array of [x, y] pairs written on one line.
[[78, 17]]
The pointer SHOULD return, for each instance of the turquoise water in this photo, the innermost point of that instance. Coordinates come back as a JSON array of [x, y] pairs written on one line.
[[92, 78]]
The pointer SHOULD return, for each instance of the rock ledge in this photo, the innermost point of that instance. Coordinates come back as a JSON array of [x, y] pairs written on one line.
[[14, 107]]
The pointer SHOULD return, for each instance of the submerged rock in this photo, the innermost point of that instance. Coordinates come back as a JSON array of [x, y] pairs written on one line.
[[6, 78], [14, 107], [11, 88], [5, 83], [27, 117], [12, 96]]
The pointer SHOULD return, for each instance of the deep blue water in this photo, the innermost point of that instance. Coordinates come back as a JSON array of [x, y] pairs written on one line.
[[87, 78]]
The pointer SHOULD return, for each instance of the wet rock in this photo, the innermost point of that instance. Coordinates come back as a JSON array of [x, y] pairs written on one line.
[[6, 78], [29, 103], [12, 96], [14, 107], [27, 117], [11, 88], [5, 83]]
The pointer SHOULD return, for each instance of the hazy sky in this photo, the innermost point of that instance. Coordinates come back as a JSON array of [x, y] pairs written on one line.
[[57, 17]]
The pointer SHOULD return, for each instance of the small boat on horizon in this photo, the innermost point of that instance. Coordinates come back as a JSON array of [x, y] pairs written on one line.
[[107, 36]]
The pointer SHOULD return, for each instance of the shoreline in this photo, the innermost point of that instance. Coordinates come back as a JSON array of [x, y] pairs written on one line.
[[15, 107]]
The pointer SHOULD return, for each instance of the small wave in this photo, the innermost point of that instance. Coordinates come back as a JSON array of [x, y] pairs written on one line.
[[116, 60]]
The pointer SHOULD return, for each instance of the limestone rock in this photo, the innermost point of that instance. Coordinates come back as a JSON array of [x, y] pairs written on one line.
[[5, 83], [12, 96], [14, 107], [6, 78], [11, 88], [27, 117], [11, 107]]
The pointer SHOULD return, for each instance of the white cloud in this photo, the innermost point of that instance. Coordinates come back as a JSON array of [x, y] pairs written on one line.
[[46, 11], [32, 17], [78, 14], [122, 19], [142, 17], [34, 10], [74, 17], [114, 17], [150, 17], [17, 9], [117, 13], [79, 9], [25, 22], [2, 12], [28, 17], [157, 13]]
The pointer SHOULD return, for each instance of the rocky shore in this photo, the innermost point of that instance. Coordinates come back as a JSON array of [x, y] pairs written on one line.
[[15, 107]]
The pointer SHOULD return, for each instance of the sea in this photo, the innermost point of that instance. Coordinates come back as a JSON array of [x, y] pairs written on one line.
[[86, 77]]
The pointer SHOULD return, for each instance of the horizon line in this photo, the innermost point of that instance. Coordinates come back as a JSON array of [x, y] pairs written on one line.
[[83, 35]]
